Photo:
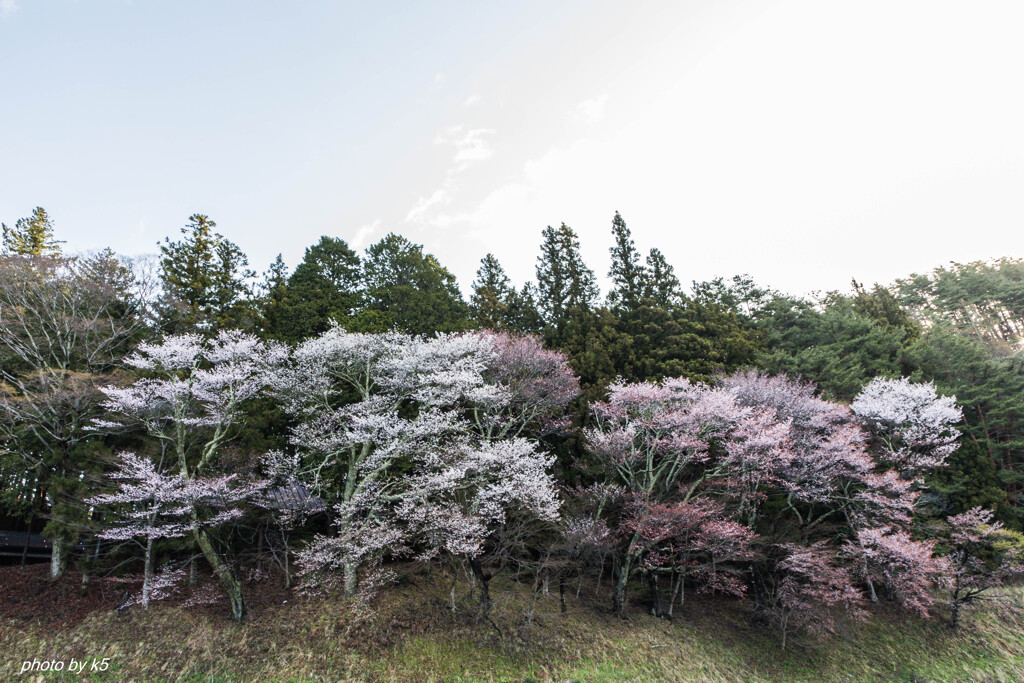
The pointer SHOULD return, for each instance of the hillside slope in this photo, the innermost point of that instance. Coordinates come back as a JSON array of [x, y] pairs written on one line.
[[412, 635]]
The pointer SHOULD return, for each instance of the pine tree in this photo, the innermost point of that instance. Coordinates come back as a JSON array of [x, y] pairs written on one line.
[[629, 277], [31, 236]]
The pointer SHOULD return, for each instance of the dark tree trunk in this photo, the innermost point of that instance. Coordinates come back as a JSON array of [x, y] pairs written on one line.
[[28, 539], [561, 593], [483, 586]]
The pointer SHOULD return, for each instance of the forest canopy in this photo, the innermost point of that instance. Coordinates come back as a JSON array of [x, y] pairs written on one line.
[[359, 411]]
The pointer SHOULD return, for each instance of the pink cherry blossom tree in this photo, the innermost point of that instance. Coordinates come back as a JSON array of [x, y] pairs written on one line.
[[752, 441], [191, 395], [810, 592], [540, 386], [908, 569], [984, 556], [655, 442]]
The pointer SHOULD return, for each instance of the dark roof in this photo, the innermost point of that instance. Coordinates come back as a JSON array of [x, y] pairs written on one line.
[[294, 496]]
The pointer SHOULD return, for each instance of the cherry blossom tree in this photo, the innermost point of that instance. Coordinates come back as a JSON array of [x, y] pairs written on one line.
[[913, 424], [908, 569], [984, 555], [753, 443], [689, 540], [362, 403], [810, 591], [191, 396], [154, 505], [421, 443], [539, 382], [459, 498], [655, 442]]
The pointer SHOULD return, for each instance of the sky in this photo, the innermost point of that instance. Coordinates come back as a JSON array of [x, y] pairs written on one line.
[[803, 142]]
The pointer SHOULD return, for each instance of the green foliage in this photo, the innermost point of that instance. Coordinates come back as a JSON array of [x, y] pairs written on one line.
[[31, 236], [662, 283], [983, 299], [831, 344], [990, 389], [489, 304], [409, 291], [566, 287], [630, 279], [324, 287], [205, 280]]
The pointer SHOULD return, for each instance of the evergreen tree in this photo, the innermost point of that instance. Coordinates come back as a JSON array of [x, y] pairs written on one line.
[[523, 316], [324, 287], [565, 286], [662, 284], [275, 288], [990, 389], [31, 236], [830, 343], [409, 291], [629, 277], [880, 305], [492, 293], [982, 299], [204, 277]]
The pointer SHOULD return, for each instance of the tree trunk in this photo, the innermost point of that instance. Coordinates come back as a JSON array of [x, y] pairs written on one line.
[[28, 539], [351, 578], [147, 576], [483, 586], [232, 584], [561, 593], [619, 596], [652, 581], [59, 557], [287, 567]]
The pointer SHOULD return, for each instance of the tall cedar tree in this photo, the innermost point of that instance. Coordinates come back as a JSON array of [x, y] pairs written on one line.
[[565, 286], [492, 290], [409, 291], [629, 277], [204, 276], [662, 333], [566, 299]]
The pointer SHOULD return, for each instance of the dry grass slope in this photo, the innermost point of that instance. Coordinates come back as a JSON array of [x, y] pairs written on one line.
[[412, 635]]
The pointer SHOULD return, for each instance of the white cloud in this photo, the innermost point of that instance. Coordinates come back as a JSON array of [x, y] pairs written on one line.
[[473, 100], [470, 145], [439, 78], [440, 197], [8, 7], [589, 111], [362, 237]]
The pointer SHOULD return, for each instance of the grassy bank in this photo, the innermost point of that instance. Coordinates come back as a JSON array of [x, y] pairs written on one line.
[[412, 635]]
